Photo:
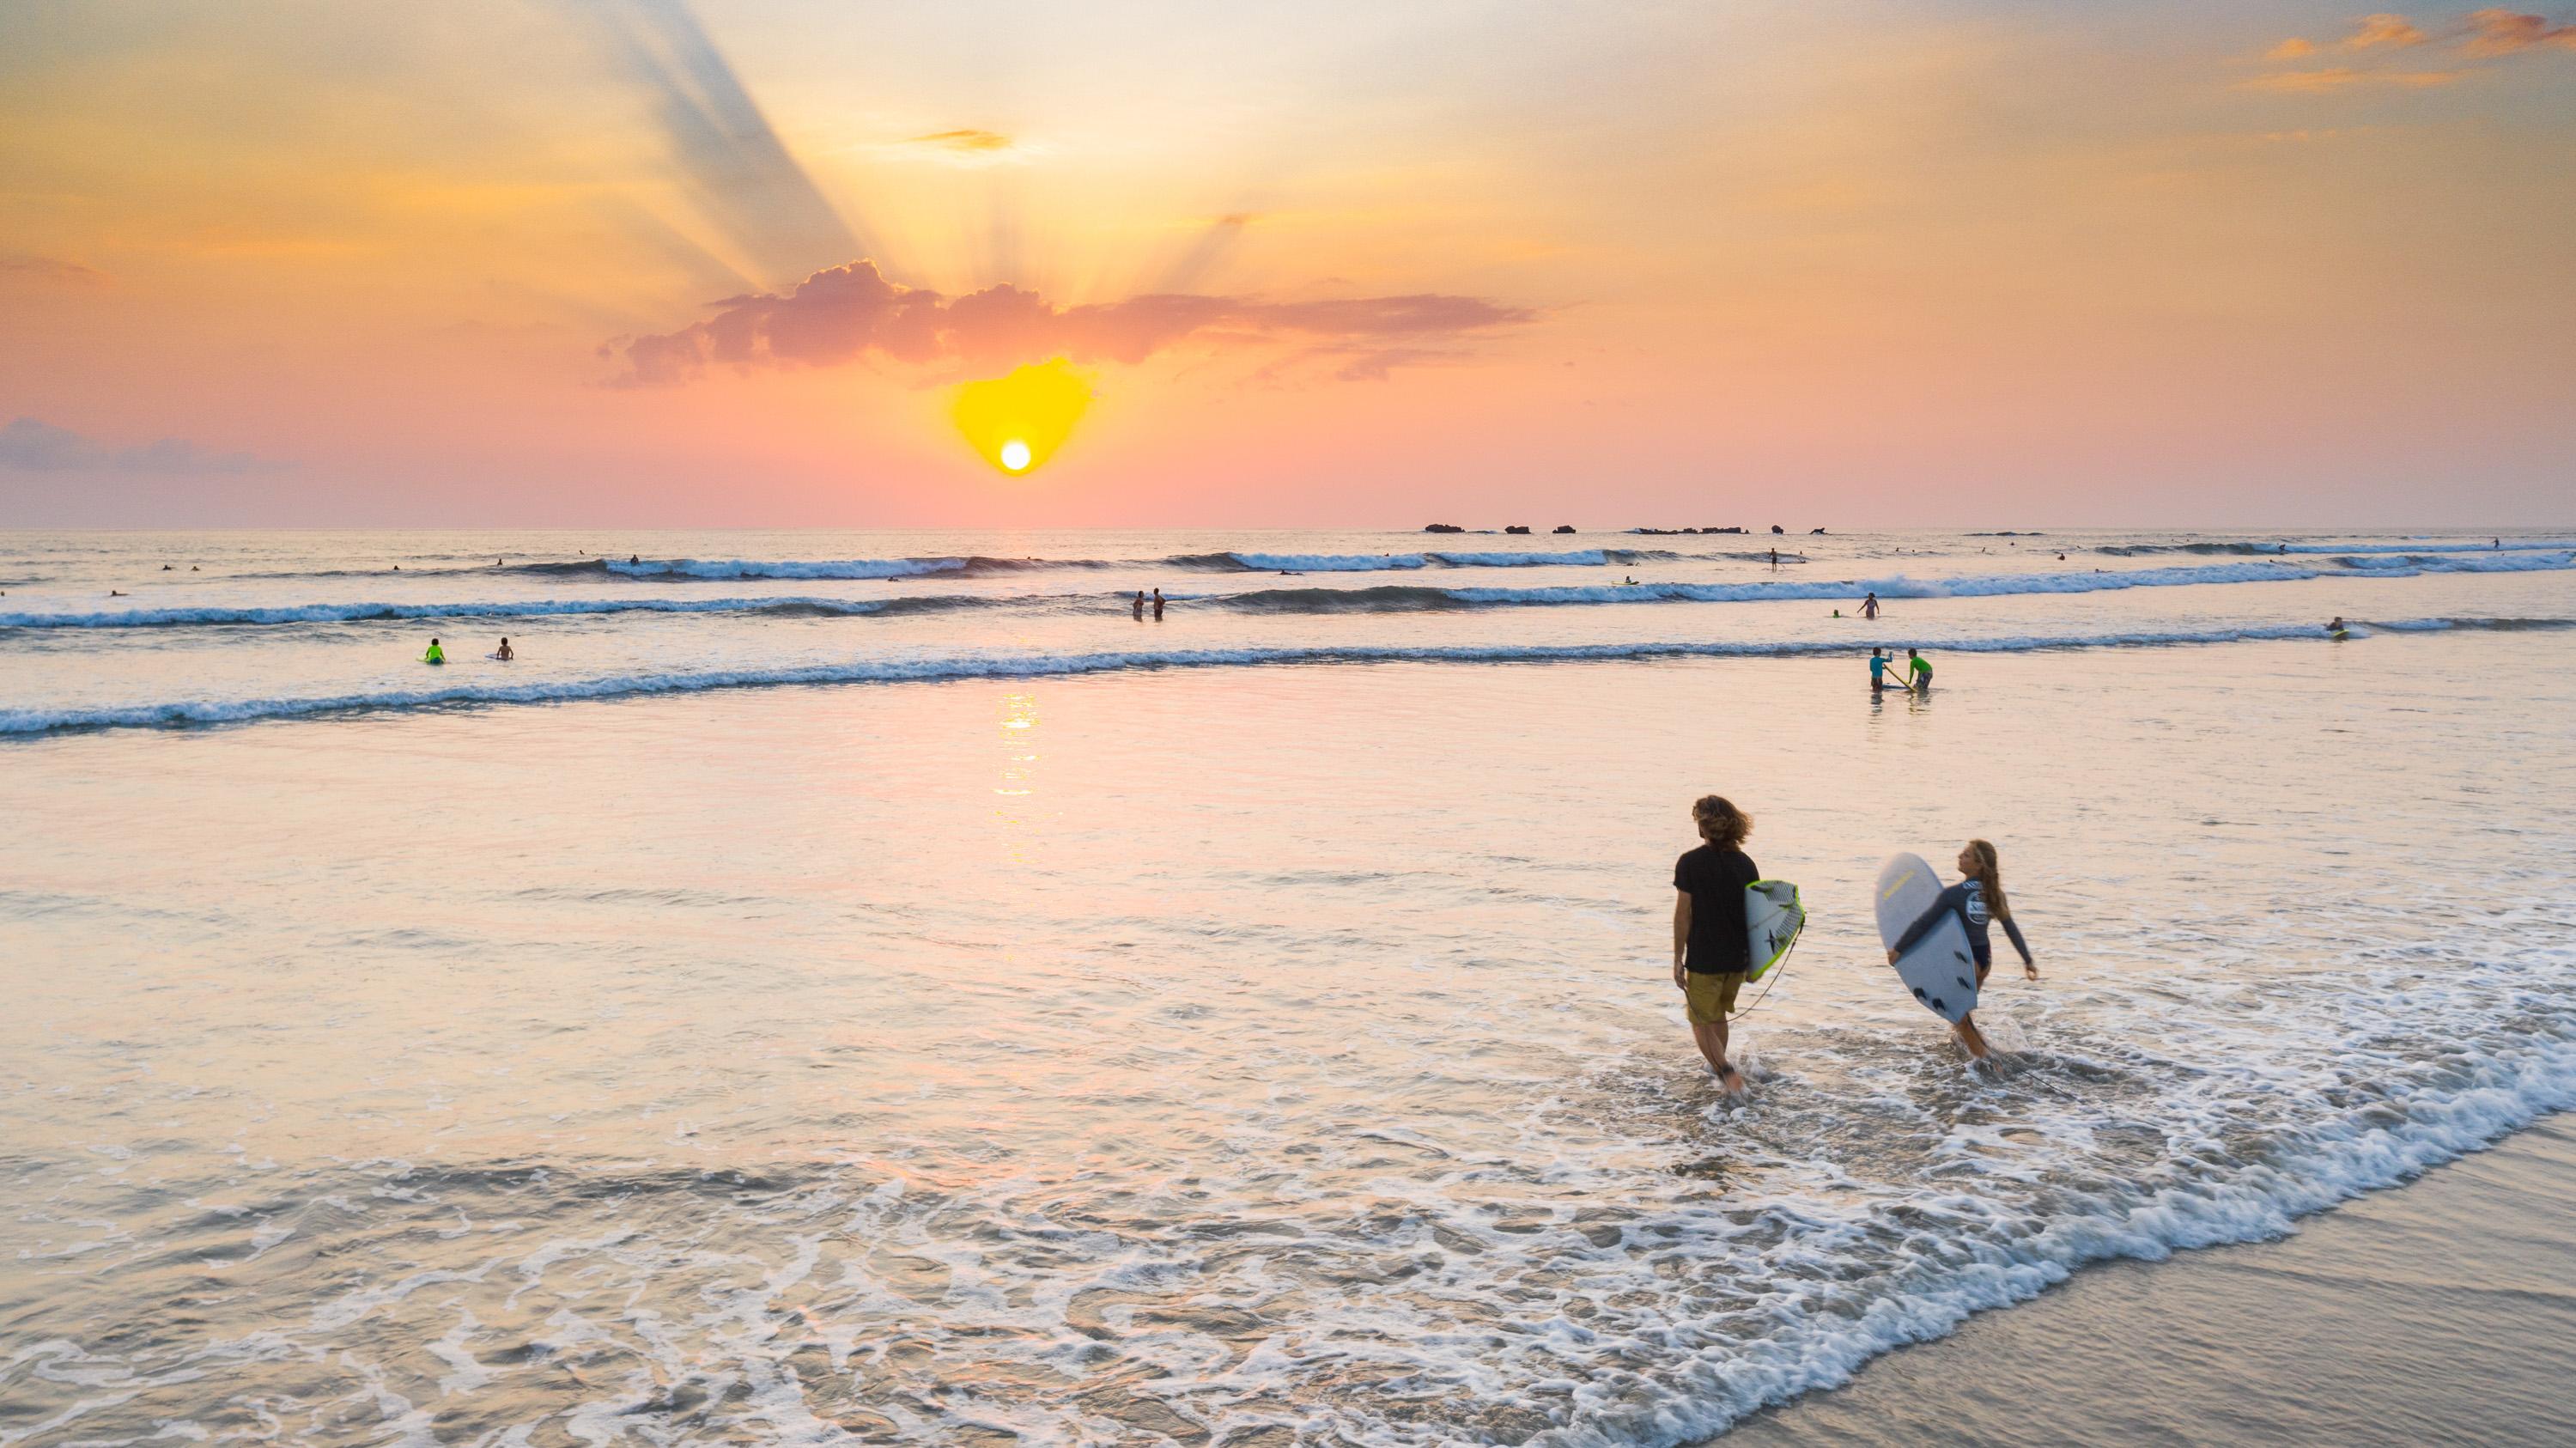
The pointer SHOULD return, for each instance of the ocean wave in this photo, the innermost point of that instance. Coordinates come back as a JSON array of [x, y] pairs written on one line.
[[948, 667], [1417, 598], [1386, 562], [2253, 1191], [2275, 550], [534, 608], [212, 617]]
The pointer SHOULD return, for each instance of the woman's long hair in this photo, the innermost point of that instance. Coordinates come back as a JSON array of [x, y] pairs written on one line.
[[1720, 822], [1991, 876]]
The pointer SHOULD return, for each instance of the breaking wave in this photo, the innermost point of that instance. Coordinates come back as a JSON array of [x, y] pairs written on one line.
[[945, 667]]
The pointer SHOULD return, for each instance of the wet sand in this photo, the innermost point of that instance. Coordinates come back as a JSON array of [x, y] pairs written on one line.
[[2441, 1312]]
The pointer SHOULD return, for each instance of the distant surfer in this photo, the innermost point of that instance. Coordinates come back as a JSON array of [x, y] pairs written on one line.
[[436, 655], [1976, 900], [1775, 557], [633, 559], [2337, 630], [1869, 606], [1918, 671], [505, 653], [1712, 948], [1878, 662], [116, 593]]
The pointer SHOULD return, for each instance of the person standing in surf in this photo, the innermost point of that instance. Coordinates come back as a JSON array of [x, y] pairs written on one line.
[[1878, 662], [1869, 605], [1711, 947], [1975, 900], [1918, 670]]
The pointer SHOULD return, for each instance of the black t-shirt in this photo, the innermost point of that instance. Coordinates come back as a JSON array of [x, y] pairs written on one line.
[[1715, 876]]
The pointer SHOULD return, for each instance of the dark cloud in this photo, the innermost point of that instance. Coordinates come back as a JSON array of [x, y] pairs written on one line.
[[852, 312], [52, 269], [29, 445], [741, 173]]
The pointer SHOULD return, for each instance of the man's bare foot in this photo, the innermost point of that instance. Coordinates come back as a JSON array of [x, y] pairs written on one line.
[[1730, 1080]]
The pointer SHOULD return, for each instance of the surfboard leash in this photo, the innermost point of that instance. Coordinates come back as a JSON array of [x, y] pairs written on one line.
[[1770, 977]]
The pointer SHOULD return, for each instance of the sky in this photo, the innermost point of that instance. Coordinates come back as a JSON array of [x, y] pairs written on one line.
[[1338, 264]]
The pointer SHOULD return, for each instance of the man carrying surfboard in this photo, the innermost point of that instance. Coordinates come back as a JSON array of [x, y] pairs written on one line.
[[1711, 947]]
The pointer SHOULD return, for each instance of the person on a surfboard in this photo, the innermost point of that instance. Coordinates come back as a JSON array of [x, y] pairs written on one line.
[[1712, 946], [1975, 900]]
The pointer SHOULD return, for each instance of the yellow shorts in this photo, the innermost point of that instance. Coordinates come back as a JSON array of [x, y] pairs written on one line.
[[1712, 994]]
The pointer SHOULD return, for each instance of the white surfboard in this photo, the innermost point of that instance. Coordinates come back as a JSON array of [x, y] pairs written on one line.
[[1940, 970], [1773, 917]]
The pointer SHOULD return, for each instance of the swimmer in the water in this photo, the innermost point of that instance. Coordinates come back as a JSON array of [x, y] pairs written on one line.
[[1138, 608], [116, 593], [1869, 606], [504, 653], [436, 655], [2336, 629], [1158, 605]]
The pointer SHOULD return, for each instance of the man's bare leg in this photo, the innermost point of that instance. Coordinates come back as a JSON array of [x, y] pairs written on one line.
[[1711, 1036]]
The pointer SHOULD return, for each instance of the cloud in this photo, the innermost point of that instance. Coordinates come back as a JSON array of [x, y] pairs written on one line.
[[2503, 32], [734, 163], [968, 140], [2372, 32], [848, 313], [2335, 78], [52, 269], [2484, 35], [30, 445]]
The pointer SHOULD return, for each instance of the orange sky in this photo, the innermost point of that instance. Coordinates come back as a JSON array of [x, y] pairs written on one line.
[[1336, 264]]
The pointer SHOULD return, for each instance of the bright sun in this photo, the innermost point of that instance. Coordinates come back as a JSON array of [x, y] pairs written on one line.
[[1017, 422]]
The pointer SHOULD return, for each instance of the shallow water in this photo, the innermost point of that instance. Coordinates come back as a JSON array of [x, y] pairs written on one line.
[[1250, 1052]]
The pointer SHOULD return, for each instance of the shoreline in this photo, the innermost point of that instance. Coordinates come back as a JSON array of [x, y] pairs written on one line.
[[2440, 1310]]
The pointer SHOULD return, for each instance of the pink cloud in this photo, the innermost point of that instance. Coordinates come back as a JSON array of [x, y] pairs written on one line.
[[846, 313], [2373, 31], [2502, 32]]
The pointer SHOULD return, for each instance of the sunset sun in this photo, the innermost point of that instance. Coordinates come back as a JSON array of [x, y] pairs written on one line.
[[1018, 421]]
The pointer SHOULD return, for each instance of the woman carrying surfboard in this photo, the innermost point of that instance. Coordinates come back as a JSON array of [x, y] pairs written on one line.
[[1712, 951], [1973, 902]]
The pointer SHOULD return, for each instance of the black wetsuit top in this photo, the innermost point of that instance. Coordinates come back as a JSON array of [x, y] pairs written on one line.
[[1968, 900], [1714, 876]]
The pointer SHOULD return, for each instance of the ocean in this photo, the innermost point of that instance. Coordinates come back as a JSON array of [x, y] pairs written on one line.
[[876, 987]]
